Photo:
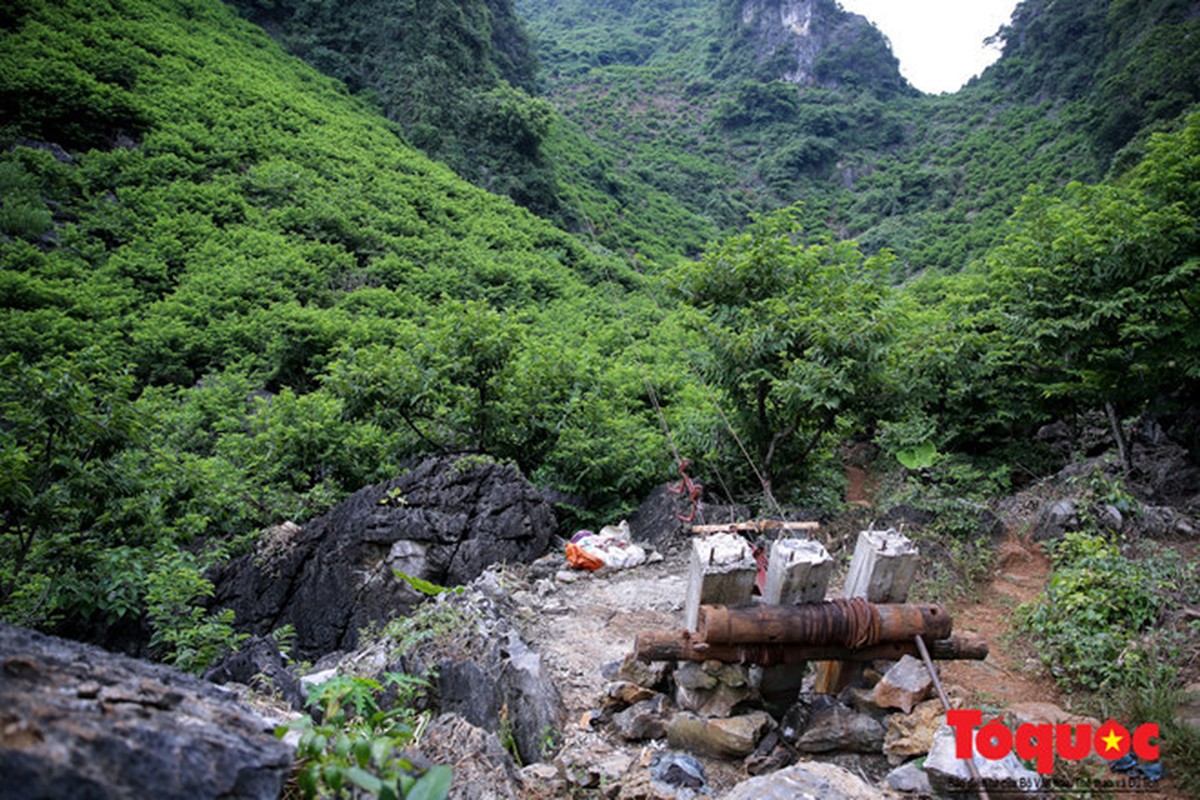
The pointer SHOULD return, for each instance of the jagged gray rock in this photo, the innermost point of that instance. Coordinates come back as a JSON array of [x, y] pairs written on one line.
[[259, 664], [489, 774], [480, 667], [1055, 519], [905, 684], [444, 522], [909, 778], [77, 721], [839, 727], [949, 774], [734, 737], [646, 719], [810, 779]]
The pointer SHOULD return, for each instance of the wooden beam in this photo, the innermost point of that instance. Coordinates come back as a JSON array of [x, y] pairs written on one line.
[[683, 646], [759, 526]]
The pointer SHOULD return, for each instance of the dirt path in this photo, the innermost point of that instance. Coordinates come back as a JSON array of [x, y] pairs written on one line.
[[1011, 673]]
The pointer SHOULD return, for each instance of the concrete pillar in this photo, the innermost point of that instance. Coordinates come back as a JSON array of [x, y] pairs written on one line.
[[721, 571], [797, 572], [882, 570]]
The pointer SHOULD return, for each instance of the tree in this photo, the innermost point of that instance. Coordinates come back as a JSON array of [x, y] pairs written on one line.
[[65, 425], [1100, 286], [795, 332]]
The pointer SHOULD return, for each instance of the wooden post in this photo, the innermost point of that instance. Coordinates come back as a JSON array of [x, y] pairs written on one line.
[[882, 570]]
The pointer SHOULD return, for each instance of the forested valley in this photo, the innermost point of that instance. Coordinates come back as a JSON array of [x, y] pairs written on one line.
[[257, 255]]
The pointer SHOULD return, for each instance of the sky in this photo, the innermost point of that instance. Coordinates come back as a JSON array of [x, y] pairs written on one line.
[[939, 42]]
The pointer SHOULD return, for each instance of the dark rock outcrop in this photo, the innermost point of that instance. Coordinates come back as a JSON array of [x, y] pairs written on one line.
[[444, 522], [479, 668], [77, 721], [657, 520], [259, 664]]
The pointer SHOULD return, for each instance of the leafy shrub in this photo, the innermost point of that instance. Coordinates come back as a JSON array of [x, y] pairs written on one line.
[[356, 749], [1091, 615], [184, 634]]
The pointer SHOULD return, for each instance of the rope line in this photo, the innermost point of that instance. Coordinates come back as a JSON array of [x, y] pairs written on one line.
[[653, 395]]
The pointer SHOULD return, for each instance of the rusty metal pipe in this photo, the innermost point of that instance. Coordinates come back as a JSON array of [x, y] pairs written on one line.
[[850, 623]]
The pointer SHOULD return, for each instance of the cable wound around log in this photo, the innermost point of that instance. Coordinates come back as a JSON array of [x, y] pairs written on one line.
[[843, 622]]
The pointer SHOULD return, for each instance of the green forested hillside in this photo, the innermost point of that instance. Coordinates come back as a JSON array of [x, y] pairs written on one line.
[[232, 294], [232, 291], [675, 88]]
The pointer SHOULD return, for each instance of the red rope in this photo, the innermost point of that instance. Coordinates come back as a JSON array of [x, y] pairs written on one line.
[[691, 488]]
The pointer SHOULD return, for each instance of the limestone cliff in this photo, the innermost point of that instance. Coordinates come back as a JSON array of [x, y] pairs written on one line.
[[812, 43]]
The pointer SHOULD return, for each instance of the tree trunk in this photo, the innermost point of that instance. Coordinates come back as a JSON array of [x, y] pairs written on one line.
[[1119, 435]]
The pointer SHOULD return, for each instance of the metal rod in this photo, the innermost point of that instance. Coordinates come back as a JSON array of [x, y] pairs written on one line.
[[937, 684]]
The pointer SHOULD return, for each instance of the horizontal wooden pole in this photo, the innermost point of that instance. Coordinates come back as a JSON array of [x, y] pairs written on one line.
[[845, 623], [759, 526], [682, 646]]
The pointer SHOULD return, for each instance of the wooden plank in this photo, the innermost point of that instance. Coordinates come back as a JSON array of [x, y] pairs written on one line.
[[759, 526], [683, 646]]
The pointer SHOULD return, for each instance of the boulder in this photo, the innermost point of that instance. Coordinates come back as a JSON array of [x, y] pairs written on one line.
[[772, 754], [259, 664], [78, 721], [905, 684], [657, 520], [652, 675], [839, 727], [735, 737], [481, 668], [483, 769], [809, 779], [1055, 519], [949, 774], [622, 694], [592, 763], [444, 521], [713, 689], [912, 734], [646, 719], [909, 778]]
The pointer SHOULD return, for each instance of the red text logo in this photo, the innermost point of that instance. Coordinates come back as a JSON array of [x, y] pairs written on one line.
[[1042, 742]]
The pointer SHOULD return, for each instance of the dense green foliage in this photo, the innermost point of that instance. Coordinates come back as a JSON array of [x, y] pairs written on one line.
[[795, 335], [676, 90], [356, 748], [260, 299], [1093, 622], [231, 292], [454, 74]]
